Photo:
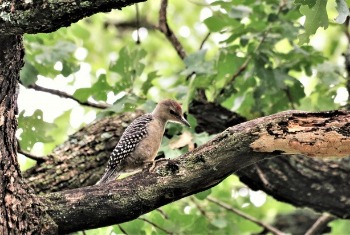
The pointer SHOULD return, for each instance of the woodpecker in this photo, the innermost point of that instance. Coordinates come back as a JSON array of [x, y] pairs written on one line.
[[140, 142]]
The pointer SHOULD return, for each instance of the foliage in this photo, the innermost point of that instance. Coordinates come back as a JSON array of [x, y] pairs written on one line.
[[257, 60]]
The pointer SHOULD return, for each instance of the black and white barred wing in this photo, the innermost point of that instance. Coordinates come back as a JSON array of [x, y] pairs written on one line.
[[132, 135]]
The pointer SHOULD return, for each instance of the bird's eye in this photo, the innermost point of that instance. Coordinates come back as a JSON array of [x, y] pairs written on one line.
[[172, 112]]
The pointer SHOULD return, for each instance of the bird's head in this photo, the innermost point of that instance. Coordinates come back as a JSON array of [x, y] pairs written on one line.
[[170, 110]]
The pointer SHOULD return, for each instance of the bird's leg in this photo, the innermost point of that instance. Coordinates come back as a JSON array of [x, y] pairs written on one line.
[[151, 169]]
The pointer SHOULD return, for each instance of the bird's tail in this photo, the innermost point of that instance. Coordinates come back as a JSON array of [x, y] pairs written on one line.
[[108, 176]]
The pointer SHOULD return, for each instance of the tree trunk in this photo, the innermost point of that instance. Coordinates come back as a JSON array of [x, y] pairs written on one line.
[[20, 211]]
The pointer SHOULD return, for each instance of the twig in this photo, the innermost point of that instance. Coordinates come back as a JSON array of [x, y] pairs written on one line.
[[67, 96], [346, 55], [262, 176], [165, 216], [289, 96], [320, 224], [204, 40], [156, 225], [137, 23], [39, 159], [132, 24], [249, 57], [248, 217], [122, 230], [199, 207], [166, 30]]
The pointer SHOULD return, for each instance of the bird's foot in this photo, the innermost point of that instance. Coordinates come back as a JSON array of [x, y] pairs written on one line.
[[151, 169]]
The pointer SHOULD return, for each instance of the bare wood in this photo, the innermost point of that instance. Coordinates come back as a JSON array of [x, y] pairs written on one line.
[[195, 171], [300, 135]]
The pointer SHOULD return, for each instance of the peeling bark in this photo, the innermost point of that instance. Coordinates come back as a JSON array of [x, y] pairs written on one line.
[[300, 134]]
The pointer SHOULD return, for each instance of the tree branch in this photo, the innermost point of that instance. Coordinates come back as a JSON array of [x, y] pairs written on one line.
[[19, 17], [320, 224], [237, 147], [268, 227], [155, 225], [166, 30], [63, 94], [39, 159], [244, 66]]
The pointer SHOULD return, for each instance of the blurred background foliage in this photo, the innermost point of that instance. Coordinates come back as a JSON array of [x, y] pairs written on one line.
[[252, 57]]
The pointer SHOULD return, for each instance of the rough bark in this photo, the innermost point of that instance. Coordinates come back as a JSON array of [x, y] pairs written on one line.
[[198, 170], [19, 17], [20, 211], [322, 185]]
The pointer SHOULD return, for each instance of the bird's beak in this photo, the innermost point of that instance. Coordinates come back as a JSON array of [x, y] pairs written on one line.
[[184, 121]]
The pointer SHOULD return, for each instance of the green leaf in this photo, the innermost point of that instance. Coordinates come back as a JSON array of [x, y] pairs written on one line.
[[101, 88], [238, 12], [125, 104], [219, 222], [201, 138], [69, 68], [98, 90], [29, 74], [215, 23], [343, 10], [148, 83], [315, 17], [195, 63], [82, 94], [203, 195], [34, 128], [128, 67], [309, 3]]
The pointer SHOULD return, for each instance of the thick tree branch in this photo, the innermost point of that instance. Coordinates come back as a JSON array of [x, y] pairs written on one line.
[[202, 168], [19, 17]]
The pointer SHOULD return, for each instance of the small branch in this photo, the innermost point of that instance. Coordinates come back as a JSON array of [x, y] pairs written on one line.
[[249, 57], [63, 94], [320, 224], [165, 216], [131, 25], [199, 207], [262, 176], [122, 230], [156, 225], [165, 29], [39, 159], [204, 40], [137, 24], [346, 55], [289, 96], [243, 215]]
